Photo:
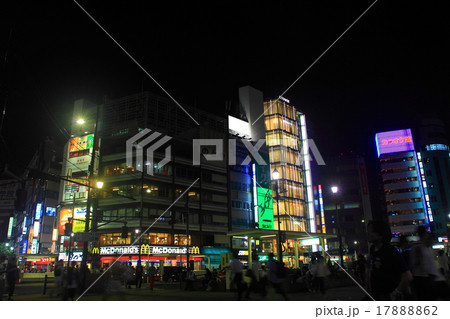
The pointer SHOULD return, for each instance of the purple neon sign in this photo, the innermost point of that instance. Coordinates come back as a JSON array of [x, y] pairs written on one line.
[[394, 141]]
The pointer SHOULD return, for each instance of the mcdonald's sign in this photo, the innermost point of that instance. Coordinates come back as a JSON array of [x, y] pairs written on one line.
[[146, 249], [195, 250], [95, 250]]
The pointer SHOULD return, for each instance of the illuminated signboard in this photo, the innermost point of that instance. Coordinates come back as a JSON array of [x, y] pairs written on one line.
[[38, 214], [79, 219], [81, 143], [238, 127], [36, 229], [146, 249], [437, 147], [64, 216], [55, 234], [24, 247], [10, 226], [265, 208], [24, 226], [34, 246], [50, 211], [394, 141], [75, 256]]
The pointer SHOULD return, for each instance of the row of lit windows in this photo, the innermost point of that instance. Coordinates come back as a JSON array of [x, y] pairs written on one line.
[[407, 212], [279, 122], [277, 106], [122, 168], [284, 155], [282, 138], [289, 172], [240, 204], [400, 180], [403, 201], [408, 222], [397, 170], [396, 160], [401, 190], [150, 238]]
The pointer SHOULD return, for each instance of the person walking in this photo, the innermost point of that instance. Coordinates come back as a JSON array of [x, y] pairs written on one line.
[[428, 282], [59, 271], [71, 282], [237, 273], [139, 274], [12, 275], [254, 273], [443, 263], [277, 275], [151, 275], [3, 261], [319, 271], [389, 277]]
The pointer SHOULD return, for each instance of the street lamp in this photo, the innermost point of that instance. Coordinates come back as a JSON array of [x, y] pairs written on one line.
[[276, 176], [80, 121], [335, 190]]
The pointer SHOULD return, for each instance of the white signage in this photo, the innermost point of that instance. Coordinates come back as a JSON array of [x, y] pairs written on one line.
[[75, 256]]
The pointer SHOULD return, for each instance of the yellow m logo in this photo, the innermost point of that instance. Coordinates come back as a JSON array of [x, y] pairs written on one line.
[[195, 250], [145, 249], [95, 250]]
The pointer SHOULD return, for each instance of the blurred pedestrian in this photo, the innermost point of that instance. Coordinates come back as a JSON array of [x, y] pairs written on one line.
[[59, 271], [151, 275], [3, 261], [443, 263], [277, 273], [389, 277], [71, 282], [237, 273], [190, 279], [253, 272], [139, 274], [12, 275], [428, 283], [263, 279], [319, 271], [206, 278]]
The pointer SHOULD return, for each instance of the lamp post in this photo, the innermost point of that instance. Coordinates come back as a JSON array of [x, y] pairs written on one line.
[[189, 194], [335, 190], [276, 176]]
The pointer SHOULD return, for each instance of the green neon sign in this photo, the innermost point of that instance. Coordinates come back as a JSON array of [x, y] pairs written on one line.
[[265, 208]]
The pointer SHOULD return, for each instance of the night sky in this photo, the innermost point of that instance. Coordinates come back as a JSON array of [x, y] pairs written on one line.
[[390, 68]]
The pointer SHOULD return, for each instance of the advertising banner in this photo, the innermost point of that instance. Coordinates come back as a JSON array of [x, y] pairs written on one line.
[[265, 208]]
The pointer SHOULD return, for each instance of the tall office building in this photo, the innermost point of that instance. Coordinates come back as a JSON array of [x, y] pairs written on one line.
[[402, 181]]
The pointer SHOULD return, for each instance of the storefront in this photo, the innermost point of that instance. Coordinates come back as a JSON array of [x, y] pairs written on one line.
[[158, 255], [37, 263]]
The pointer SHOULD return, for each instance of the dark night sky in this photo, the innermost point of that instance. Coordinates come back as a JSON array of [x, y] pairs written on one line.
[[392, 66]]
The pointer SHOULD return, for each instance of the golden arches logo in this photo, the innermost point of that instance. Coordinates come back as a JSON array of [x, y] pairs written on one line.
[[95, 250], [195, 250], [145, 249]]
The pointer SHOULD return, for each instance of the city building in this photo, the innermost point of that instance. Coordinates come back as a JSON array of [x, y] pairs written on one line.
[[403, 181], [349, 208]]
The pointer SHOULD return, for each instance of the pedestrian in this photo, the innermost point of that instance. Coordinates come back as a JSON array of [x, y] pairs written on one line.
[[360, 269], [151, 275], [428, 283], [71, 282], [12, 275], [139, 273], [237, 273], [277, 273], [253, 272], [59, 271], [389, 277], [319, 271], [190, 279], [207, 278], [443, 263], [3, 261], [263, 279]]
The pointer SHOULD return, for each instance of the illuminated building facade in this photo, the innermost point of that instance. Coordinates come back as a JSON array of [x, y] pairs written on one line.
[[288, 153], [403, 182]]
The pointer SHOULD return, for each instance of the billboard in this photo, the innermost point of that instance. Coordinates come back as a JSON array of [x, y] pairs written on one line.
[[79, 219], [64, 216], [265, 207], [394, 141], [50, 211], [78, 145]]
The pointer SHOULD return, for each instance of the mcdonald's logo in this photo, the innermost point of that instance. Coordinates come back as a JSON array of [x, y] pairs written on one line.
[[95, 250], [195, 250], [145, 249]]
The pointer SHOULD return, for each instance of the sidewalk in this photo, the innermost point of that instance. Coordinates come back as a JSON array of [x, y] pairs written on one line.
[[27, 291]]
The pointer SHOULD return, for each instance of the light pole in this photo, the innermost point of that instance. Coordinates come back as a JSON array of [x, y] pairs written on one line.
[[187, 227], [335, 190], [276, 176]]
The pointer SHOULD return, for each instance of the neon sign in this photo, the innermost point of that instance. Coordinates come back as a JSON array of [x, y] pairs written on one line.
[[265, 208], [437, 147], [394, 141]]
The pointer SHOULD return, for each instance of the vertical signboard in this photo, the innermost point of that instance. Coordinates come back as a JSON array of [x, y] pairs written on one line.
[[10, 227], [265, 208]]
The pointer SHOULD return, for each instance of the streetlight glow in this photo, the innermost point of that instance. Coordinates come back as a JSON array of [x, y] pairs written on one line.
[[275, 174], [99, 184], [334, 189], [80, 121]]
